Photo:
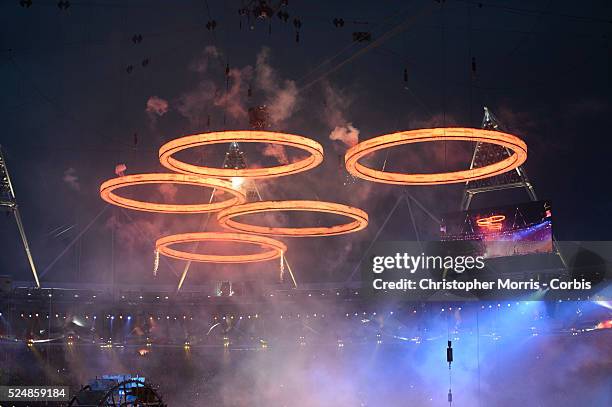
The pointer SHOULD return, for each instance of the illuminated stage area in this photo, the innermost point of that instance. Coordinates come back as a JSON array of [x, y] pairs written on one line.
[[198, 350], [305, 204]]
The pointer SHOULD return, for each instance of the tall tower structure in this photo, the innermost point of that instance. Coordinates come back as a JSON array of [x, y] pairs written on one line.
[[487, 153], [8, 201], [259, 119], [235, 159]]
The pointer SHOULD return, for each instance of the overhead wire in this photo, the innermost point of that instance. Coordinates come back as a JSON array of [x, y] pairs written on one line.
[[413, 18], [69, 245], [386, 21], [63, 113], [524, 11]]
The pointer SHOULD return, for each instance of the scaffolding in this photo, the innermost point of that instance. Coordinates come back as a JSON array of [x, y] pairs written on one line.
[[487, 153], [9, 202]]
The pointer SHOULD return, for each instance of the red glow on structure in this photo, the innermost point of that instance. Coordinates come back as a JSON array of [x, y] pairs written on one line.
[[604, 324]]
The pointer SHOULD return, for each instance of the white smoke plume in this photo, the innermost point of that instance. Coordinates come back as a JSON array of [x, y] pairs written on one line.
[[157, 106], [336, 107], [196, 104], [71, 179], [202, 64], [168, 192], [276, 151], [281, 95], [347, 134], [232, 101]]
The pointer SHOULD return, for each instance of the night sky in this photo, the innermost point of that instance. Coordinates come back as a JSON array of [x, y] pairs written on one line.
[[80, 95]]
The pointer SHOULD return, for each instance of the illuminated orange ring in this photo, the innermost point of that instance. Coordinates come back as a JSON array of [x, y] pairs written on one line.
[[491, 220], [360, 218], [357, 152], [275, 248], [172, 147], [107, 188]]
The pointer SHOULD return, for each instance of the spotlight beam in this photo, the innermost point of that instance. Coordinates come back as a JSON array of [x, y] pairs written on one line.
[[76, 239]]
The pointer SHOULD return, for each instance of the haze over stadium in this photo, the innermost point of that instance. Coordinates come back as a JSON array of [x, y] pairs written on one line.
[[196, 193]]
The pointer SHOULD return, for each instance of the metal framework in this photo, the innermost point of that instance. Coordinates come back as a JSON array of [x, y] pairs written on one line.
[[9, 202], [517, 178], [236, 159], [507, 141], [409, 200], [485, 154]]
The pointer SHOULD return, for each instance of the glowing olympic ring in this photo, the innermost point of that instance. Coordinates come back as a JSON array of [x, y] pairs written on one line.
[[357, 152], [107, 188], [493, 222], [315, 150], [275, 248], [360, 218]]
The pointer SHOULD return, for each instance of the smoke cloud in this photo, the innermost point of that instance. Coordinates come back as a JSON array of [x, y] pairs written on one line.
[[232, 101], [201, 65], [322, 352], [157, 106], [71, 179], [347, 134], [168, 192], [197, 104], [277, 151], [337, 105], [281, 95]]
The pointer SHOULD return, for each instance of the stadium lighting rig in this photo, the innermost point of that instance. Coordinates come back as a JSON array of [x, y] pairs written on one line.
[[9, 201]]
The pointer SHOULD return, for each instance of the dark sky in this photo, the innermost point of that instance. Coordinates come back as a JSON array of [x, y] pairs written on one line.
[[70, 110]]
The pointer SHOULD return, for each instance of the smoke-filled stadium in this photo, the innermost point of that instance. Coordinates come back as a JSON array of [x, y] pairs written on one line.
[[290, 203]]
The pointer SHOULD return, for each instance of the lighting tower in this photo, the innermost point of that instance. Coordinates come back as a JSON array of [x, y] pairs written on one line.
[[234, 158], [9, 202], [259, 119], [487, 153]]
